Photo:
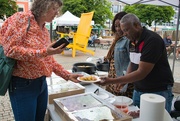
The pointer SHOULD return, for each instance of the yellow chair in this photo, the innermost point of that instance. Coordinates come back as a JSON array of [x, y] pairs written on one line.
[[71, 34], [61, 35], [81, 37]]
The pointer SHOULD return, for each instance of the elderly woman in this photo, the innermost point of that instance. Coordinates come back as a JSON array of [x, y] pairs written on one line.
[[25, 38]]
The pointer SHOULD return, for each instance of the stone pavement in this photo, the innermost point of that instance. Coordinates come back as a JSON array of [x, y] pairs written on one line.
[[67, 62]]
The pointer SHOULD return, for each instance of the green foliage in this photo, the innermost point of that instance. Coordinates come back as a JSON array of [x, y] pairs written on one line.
[[149, 13], [7, 7], [101, 9]]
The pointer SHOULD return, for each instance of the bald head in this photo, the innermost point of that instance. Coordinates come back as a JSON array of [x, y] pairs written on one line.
[[131, 26], [130, 19]]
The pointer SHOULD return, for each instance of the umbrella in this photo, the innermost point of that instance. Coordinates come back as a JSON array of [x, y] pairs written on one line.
[[175, 3]]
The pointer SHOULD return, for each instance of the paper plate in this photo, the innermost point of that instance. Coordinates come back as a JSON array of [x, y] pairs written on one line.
[[89, 81], [123, 100], [103, 95], [110, 100]]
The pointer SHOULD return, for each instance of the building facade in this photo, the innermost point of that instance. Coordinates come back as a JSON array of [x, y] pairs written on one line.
[[23, 5]]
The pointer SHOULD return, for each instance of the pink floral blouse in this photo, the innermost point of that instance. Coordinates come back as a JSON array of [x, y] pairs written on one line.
[[28, 47]]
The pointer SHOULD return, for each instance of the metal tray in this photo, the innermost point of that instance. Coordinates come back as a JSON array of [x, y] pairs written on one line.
[[88, 107]]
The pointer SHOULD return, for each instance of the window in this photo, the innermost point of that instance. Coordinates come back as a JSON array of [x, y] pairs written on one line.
[[115, 9], [175, 15], [20, 9]]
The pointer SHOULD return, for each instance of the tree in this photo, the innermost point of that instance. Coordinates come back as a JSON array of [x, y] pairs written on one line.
[[101, 9], [149, 13], [7, 8]]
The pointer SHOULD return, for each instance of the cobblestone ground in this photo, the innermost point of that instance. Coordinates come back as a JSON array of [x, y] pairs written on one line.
[[67, 62], [6, 113]]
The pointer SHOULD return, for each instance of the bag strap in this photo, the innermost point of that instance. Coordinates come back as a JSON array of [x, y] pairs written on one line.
[[28, 25]]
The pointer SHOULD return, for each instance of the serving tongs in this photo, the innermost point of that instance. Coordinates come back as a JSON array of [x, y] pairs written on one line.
[[96, 91]]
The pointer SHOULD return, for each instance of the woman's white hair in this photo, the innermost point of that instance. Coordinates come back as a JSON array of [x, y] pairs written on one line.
[[40, 7]]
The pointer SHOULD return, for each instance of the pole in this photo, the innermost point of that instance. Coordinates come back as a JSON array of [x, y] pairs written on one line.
[[177, 30], [50, 31]]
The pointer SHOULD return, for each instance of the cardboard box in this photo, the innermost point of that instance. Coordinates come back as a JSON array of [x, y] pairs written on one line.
[[64, 89], [87, 106]]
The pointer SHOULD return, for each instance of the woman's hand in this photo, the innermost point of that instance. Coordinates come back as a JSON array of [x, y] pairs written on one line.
[[118, 87], [52, 51], [73, 77], [134, 114], [118, 35]]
